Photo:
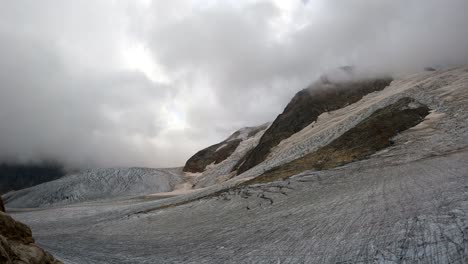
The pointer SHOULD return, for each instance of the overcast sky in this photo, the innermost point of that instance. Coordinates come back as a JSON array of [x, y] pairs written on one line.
[[148, 83]]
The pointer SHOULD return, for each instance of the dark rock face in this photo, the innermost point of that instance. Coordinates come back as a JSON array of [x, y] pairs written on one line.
[[2, 207], [17, 244], [305, 107], [13, 230], [215, 153], [221, 151], [371, 135], [17, 177]]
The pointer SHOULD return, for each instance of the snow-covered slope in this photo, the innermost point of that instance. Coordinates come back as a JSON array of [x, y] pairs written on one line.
[[96, 184]]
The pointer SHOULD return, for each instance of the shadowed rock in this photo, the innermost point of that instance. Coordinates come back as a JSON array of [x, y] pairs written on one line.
[[13, 230], [17, 177], [305, 107], [2, 207]]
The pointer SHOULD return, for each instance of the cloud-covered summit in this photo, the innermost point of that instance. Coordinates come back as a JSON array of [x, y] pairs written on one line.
[[148, 83]]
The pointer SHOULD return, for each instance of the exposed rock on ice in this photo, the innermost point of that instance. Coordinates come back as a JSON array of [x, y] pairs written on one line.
[[217, 172], [366, 138], [443, 91], [305, 108]]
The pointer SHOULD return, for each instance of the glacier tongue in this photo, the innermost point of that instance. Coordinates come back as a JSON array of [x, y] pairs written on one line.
[[96, 184]]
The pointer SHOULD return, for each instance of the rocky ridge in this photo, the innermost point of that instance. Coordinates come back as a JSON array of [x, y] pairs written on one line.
[[220, 160], [305, 107]]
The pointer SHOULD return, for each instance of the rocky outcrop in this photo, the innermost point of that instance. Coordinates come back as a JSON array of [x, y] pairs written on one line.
[[371, 135], [211, 155], [324, 96], [17, 244], [219, 152]]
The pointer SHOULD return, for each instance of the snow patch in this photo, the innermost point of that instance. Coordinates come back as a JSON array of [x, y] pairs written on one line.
[[220, 147]]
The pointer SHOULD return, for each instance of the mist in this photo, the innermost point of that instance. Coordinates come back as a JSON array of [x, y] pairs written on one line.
[[148, 83]]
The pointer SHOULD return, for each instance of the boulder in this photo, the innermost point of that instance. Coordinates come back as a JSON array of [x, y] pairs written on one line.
[[17, 244]]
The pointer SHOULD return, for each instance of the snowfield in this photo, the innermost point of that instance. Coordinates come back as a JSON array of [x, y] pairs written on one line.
[[363, 213], [405, 204], [96, 184]]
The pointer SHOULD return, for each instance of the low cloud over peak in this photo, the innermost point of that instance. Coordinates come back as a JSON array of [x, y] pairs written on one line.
[[148, 83]]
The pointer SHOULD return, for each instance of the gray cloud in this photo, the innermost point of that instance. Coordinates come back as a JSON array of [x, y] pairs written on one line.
[[253, 61], [72, 90], [50, 113], [62, 96]]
